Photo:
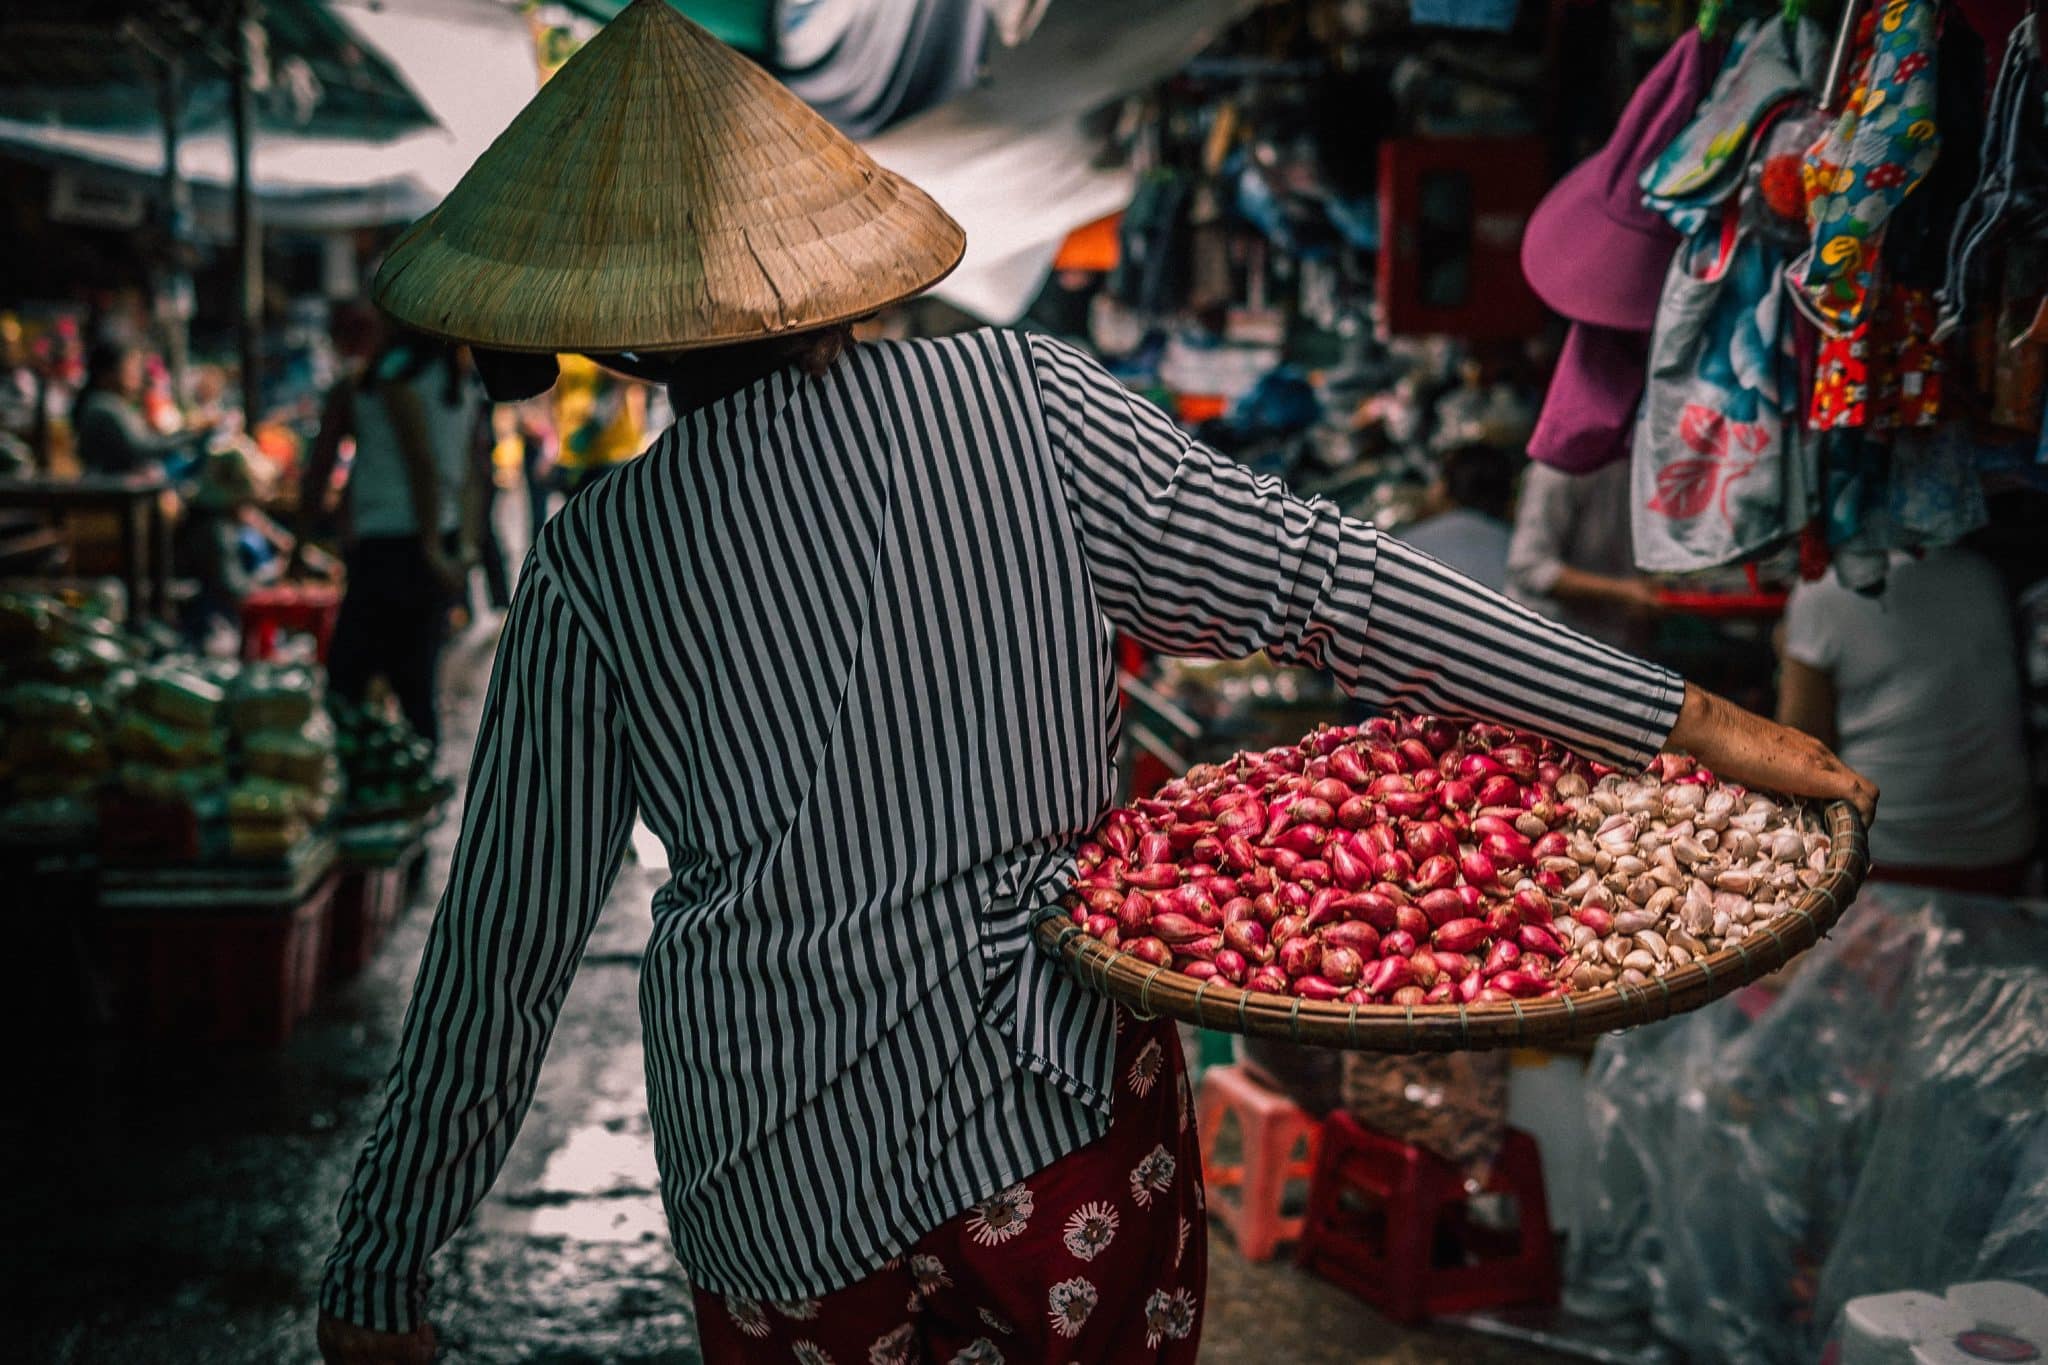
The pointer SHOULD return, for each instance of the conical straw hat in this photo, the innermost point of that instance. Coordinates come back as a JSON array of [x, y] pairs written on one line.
[[662, 192]]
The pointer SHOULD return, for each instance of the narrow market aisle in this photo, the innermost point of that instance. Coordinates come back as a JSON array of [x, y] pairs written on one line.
[[178, 1201]]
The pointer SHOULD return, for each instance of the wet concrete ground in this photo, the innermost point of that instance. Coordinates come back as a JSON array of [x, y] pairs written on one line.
[[174, 1205]]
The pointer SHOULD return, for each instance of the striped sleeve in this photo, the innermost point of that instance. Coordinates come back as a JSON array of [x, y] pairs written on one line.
[[1191, 553], [549, 811]]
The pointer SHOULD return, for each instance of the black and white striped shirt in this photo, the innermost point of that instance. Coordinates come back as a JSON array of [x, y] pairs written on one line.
[[845, 644]]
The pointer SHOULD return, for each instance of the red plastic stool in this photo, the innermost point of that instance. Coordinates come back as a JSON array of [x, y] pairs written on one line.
[[308, 607], [1415, 1217], [1269, 1127]]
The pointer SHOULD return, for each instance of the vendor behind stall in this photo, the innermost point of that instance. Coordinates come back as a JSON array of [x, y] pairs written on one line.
[[1572, 557], [1466, 521], [112, 434], [840, 640]]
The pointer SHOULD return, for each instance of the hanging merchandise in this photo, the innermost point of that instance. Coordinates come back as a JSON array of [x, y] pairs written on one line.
[[1593, 252], [1880, 147], [1721, 465], [1886, 373], [2011, 198], [868, 64], [1915, 491], [1772, 61], [1497, 16], [1152, 258], [1589, 411]]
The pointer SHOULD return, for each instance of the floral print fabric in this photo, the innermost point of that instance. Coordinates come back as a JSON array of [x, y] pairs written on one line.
[[1883, 145], [1886, 373], [1099, 1256]]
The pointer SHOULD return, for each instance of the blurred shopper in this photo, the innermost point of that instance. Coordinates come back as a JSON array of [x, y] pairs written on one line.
[[483, 517], [600, 421], [536, 435], [841, 640], [1920, 690], [113, 435], [409, 517], [1467, 522], [1572, 557]]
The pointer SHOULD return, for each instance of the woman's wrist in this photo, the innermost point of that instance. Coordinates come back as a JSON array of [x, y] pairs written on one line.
[[1744, 747]]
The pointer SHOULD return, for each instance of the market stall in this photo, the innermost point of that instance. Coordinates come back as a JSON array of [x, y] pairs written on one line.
[[207, 829]]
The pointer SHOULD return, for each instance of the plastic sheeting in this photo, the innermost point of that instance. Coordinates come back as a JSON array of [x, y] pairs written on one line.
[[1883, 1125]]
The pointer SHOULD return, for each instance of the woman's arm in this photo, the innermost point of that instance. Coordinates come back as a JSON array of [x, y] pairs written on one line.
[[1193, 554], [549, 810]]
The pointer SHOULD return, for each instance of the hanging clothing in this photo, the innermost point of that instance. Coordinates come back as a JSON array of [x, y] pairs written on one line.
[[1721, 465], [2011, 200], [1878, 150], [1769, 63], [1885, 373], [1589, 410], [843, 643], [869, 64]]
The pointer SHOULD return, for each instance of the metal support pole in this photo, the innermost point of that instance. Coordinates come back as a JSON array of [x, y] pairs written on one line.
[[248, 232], [1835, 88], [172, 286]]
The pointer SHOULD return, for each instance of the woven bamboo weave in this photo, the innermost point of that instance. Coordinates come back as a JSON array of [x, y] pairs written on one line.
[[1153, 990], [663, 193]]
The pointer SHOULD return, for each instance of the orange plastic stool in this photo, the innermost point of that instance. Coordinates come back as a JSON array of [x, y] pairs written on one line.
[[1415, 1211], [309, 607], [1269, 1127]]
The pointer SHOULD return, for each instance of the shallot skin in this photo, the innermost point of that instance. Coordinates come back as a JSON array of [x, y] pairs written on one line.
[[1415, 860]]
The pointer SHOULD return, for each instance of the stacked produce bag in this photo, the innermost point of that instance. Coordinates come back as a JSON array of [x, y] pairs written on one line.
[[388, 769], [65, 676], [174, 758], [290, 776]]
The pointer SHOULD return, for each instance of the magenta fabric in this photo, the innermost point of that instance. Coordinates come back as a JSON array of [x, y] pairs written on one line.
[[1590, 411], [1592, 251]]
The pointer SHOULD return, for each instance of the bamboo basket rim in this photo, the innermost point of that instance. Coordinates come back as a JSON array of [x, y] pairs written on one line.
[[1153, 990]]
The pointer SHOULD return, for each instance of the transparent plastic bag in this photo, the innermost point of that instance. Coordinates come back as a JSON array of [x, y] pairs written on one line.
[[1880, 1125]]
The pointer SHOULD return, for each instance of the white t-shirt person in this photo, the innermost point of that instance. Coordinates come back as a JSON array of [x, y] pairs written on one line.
[[1925, 693]]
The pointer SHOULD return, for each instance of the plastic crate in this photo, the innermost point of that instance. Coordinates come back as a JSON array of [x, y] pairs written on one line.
[[245, 975]]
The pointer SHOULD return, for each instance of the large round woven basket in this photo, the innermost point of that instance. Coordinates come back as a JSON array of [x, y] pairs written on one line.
[[1214, 1004]]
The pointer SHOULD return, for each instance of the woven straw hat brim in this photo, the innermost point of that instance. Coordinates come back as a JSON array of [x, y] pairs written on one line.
[[663, 193]]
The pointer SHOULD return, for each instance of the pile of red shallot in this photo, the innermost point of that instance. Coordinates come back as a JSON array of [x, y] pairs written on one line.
[[1420, 861]]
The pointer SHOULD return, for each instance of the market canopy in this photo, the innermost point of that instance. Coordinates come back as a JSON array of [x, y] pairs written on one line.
[[98, 66], [326, 174]]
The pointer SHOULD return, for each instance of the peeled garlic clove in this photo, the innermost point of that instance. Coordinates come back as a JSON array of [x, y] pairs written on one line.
[[1631, 922]]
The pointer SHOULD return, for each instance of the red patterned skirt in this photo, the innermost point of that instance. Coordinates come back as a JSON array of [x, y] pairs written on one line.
[[1101, 1256]]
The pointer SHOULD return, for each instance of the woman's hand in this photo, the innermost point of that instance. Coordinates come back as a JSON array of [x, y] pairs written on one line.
[[345, 1343], [1744, 747]]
